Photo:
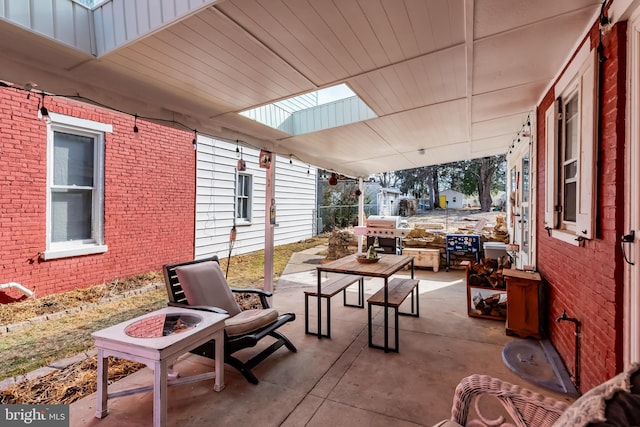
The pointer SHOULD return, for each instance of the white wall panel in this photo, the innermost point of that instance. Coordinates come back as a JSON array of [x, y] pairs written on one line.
[[123, 21], [61, 20], [41, 17], [295, 195], [18, 12]]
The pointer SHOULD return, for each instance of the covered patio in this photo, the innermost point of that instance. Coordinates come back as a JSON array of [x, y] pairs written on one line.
[[337, 381], [443, 81]]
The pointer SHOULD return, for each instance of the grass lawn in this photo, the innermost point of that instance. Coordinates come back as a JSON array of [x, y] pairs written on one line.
[[29, 348]]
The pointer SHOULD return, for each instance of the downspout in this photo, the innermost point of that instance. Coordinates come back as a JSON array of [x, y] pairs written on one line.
[[18, 286], [577, 334], [603, 22]]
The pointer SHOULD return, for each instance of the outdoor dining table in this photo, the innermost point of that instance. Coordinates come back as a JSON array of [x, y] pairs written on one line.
[[387, 266]]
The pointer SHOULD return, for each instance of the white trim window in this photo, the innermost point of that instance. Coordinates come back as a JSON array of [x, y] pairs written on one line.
[[243, 197], [75, 187], [571, 125]]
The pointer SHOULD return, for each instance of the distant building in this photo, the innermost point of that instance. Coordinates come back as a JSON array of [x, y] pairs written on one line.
[[453, 199]]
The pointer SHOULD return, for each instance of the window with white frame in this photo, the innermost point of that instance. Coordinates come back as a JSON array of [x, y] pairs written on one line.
[[75, 186], [570, 152], [243, 197]]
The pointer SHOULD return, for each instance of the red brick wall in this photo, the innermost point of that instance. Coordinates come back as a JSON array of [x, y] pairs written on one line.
[[149, 198], [587, 281]]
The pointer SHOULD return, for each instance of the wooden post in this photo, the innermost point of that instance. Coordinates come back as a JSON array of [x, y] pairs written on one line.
[[269, 198], [360, 211]]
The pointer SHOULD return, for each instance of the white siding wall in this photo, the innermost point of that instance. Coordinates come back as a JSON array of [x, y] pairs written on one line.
[[215, 194], [60, 20], [118, 22], [333, 114], [96, 32]]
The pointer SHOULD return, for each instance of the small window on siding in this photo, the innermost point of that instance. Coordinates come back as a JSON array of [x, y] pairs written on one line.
[[75, 187], [243, 197]]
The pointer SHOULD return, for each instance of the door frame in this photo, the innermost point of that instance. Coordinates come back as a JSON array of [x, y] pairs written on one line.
[[523, 146], [631, 329]]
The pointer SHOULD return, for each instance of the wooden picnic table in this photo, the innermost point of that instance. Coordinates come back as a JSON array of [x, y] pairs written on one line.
[[384, 269]]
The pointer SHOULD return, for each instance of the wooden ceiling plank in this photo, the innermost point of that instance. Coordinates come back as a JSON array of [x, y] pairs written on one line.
[[360, 26], [276, 34], [377, 17], [336, 58], [244, 54], [141, 56], [358, 57], [401, 24]]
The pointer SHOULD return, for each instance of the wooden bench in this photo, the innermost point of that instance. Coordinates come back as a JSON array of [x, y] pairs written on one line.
[[398, 290], [332, 286]]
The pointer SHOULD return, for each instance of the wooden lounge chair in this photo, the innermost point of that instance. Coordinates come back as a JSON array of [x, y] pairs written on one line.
[[201, 285]]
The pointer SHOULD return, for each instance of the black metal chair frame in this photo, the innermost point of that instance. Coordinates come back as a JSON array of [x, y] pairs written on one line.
[[232, 344]]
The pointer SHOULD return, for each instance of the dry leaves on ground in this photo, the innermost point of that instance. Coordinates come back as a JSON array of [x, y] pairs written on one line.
[[67, 385]]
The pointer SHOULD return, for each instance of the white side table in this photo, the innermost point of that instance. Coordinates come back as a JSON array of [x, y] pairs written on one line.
[[157, 339]]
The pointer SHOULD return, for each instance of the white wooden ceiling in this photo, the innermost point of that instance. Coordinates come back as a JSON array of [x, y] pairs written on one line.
[[456, 78]]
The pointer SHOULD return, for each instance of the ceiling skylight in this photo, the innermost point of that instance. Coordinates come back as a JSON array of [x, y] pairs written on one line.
[[314, 111], [91, 4]]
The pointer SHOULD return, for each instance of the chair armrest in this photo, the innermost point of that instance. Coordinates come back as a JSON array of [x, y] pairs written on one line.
[[527, 408], [198, 307], [259, 292]]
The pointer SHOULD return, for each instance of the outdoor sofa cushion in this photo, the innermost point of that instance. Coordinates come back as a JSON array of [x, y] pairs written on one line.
[[205, 284]]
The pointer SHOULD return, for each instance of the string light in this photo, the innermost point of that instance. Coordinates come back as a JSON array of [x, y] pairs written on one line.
[[43, 113], [195, 139], [524, 132]]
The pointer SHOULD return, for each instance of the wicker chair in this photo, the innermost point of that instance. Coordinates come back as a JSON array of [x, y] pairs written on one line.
[[616, 402], [526, 408]]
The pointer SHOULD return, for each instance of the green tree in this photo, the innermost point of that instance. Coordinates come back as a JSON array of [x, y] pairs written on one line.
[[478, 176], [339, 203], [421, 182]]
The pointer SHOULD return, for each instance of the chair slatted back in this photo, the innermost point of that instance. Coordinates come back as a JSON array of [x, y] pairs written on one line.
[[174, 289]]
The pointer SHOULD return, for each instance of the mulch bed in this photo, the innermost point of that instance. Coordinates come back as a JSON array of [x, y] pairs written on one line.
[[33, 307], [79, 379], [67, 385]]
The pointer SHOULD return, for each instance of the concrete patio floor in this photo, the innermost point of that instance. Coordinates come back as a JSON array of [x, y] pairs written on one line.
[[338, 381]]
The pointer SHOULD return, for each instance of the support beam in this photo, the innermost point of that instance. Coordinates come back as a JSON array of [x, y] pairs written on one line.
[[269, 225]]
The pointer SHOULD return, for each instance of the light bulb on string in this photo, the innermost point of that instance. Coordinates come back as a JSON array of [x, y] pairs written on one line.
[[43, 112], [135, 124], [238, 154], [195, 139]]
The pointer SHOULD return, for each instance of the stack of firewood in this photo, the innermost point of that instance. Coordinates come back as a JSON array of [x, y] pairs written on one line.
[[488, 272], [492, 305]]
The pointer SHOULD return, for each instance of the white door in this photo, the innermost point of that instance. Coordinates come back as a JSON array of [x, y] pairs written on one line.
[[630, 238]]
